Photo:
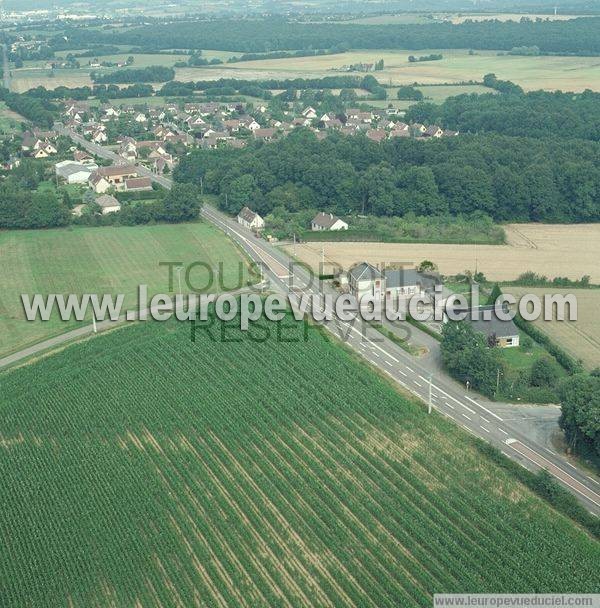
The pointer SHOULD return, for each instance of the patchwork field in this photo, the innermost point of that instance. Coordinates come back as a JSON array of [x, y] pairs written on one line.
[[457, 18], [172, 473], [566, 73], [548, 249], [580, 338], [97, 260]]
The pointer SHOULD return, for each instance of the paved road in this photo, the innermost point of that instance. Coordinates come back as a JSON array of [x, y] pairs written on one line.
[[499, 424], [6, 68]]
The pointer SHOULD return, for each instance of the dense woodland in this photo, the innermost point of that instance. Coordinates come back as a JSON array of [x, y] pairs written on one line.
[[507, 178], [535, 114], [578, 36], [152, 73]]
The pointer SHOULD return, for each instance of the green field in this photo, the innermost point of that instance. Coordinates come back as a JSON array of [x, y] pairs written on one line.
[[9, 121], [143, 469], [97, 260]]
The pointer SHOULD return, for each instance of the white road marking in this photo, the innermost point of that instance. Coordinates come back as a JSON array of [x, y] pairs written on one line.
[[418, 383], [467, 417], [502, 431], [448, 405], [484, 429], [483, 408]]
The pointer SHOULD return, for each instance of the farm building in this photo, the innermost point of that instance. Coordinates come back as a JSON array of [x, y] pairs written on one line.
[[108, 203], [73, 172]]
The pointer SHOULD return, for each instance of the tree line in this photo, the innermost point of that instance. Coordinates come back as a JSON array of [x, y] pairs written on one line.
[[152, 73], [507, 178], [576, 36]]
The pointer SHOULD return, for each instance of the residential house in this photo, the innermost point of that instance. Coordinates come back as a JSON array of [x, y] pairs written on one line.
[[486, 320], [376, 135], [264, 134], [433, 131], [98, 183], [80, 156], [116, 176], [309, 113], [364, 279], [248, 218], [327, 221]]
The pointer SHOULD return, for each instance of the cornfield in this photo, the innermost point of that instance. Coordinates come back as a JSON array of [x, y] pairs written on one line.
[[141, 468]]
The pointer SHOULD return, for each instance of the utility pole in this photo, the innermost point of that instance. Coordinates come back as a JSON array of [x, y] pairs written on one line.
[[498, 381], [95, 327], [294, 244], [179, 269], [430, 405]]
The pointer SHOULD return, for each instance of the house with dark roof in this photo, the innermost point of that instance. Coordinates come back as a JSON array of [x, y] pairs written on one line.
[[364, 279], [486, 320], [249, 219]]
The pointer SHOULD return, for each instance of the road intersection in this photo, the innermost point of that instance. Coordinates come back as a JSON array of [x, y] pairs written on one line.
[[502, 426]]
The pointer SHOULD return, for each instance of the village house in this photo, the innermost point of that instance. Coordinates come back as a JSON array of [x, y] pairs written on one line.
[[390, 284], [115, 176], [264, 134], [485, 320], [327, 221], [376, 135], [309, 113], [248, 218], [433, 131], [98, 183]]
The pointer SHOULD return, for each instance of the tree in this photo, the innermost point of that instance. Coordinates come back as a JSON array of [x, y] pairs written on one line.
[[240, 192], [427, 266], [467, 357], [495, 294], [181, 204], [410, 93], [544, 372], [580, 412]]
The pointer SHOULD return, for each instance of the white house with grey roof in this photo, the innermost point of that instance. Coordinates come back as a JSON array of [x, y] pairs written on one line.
[[327, 221], [248, 218], [366, 279]]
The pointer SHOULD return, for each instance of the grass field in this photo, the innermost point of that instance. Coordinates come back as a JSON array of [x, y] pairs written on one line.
[[97, 260], [9, 121], [548, 249], [144, 469], [580, 338]]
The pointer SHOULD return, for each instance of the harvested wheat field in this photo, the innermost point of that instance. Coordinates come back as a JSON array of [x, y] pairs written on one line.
[[580, 338], [549, 249]]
